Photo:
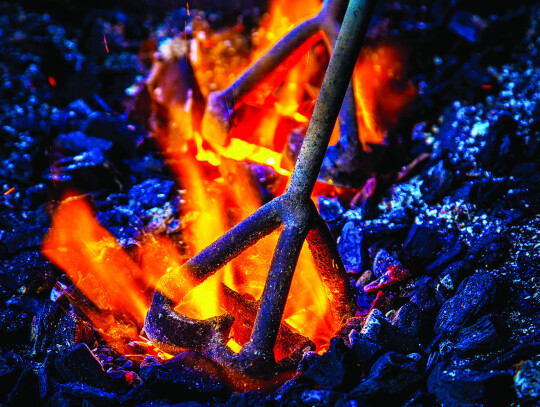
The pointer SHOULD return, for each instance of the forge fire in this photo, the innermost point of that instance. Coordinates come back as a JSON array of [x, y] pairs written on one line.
[[269, 203]]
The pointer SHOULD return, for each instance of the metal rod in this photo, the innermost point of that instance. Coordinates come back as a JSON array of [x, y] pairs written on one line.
[[334, 87]]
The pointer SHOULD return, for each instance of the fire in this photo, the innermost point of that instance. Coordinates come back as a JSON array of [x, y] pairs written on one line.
[[380, 90], [213, 206], [101, 270], [218, 189], [283, 16]]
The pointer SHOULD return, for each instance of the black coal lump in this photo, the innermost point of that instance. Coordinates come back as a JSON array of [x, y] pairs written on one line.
[[26, 391], [392, 379], [475, 295], [335, 369], [323, 398], [124, 136], [352, 247], [152, 192], [437, 182], [454, 384], [80, 365], [488, 334], [28, 272], [249, 399], [491, 250], [421, 246], [88, 393], [56, 329], [527, 383], [14, 326], [187, 376], [409, 319]]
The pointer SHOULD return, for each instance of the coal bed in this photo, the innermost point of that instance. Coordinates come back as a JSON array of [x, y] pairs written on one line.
[[113, 175]]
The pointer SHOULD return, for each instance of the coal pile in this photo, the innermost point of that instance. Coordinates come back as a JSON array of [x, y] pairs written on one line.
[[443, 248]]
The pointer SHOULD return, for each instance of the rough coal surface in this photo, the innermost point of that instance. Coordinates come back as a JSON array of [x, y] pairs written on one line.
[[459, 329]]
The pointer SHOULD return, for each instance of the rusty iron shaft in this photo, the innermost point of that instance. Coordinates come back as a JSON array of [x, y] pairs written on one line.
[[294, 211]]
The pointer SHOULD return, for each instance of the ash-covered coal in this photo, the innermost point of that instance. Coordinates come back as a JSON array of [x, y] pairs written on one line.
[[445, 259]]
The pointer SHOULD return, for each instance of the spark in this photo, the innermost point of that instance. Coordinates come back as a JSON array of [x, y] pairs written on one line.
[[9, 191], [105, 42], [187, 7], [52, 82]]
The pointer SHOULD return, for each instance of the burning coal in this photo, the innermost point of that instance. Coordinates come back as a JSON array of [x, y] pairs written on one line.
[[218, 192]]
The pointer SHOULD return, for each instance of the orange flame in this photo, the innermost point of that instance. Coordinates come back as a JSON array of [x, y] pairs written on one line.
[[101, 270], [219, 192], [380, 90], [212, 207]]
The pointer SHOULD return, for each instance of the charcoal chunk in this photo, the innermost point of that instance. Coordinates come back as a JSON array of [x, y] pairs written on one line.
[[48, 377], [14, 326], [527, 382], [84, 391], [485, 192], [188, 376], [152, 192], [290, 394], [122, 222], [80, 365], [10, 371], [382, 261], [447, 258], [366, 351], [77, 142], [467, 25], [90, 169], [330, 208], [421, 246], [27, 272], [409, 319], [488, 334], [491, 250], [25, 392], [334, 369], [21, 238], [437, 182], [450, 278], [378, 329], [124, 136], [455, 385], [392, 378], [323, 397], [249, 399], [352, 249], [54, 328], [474, 296]]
